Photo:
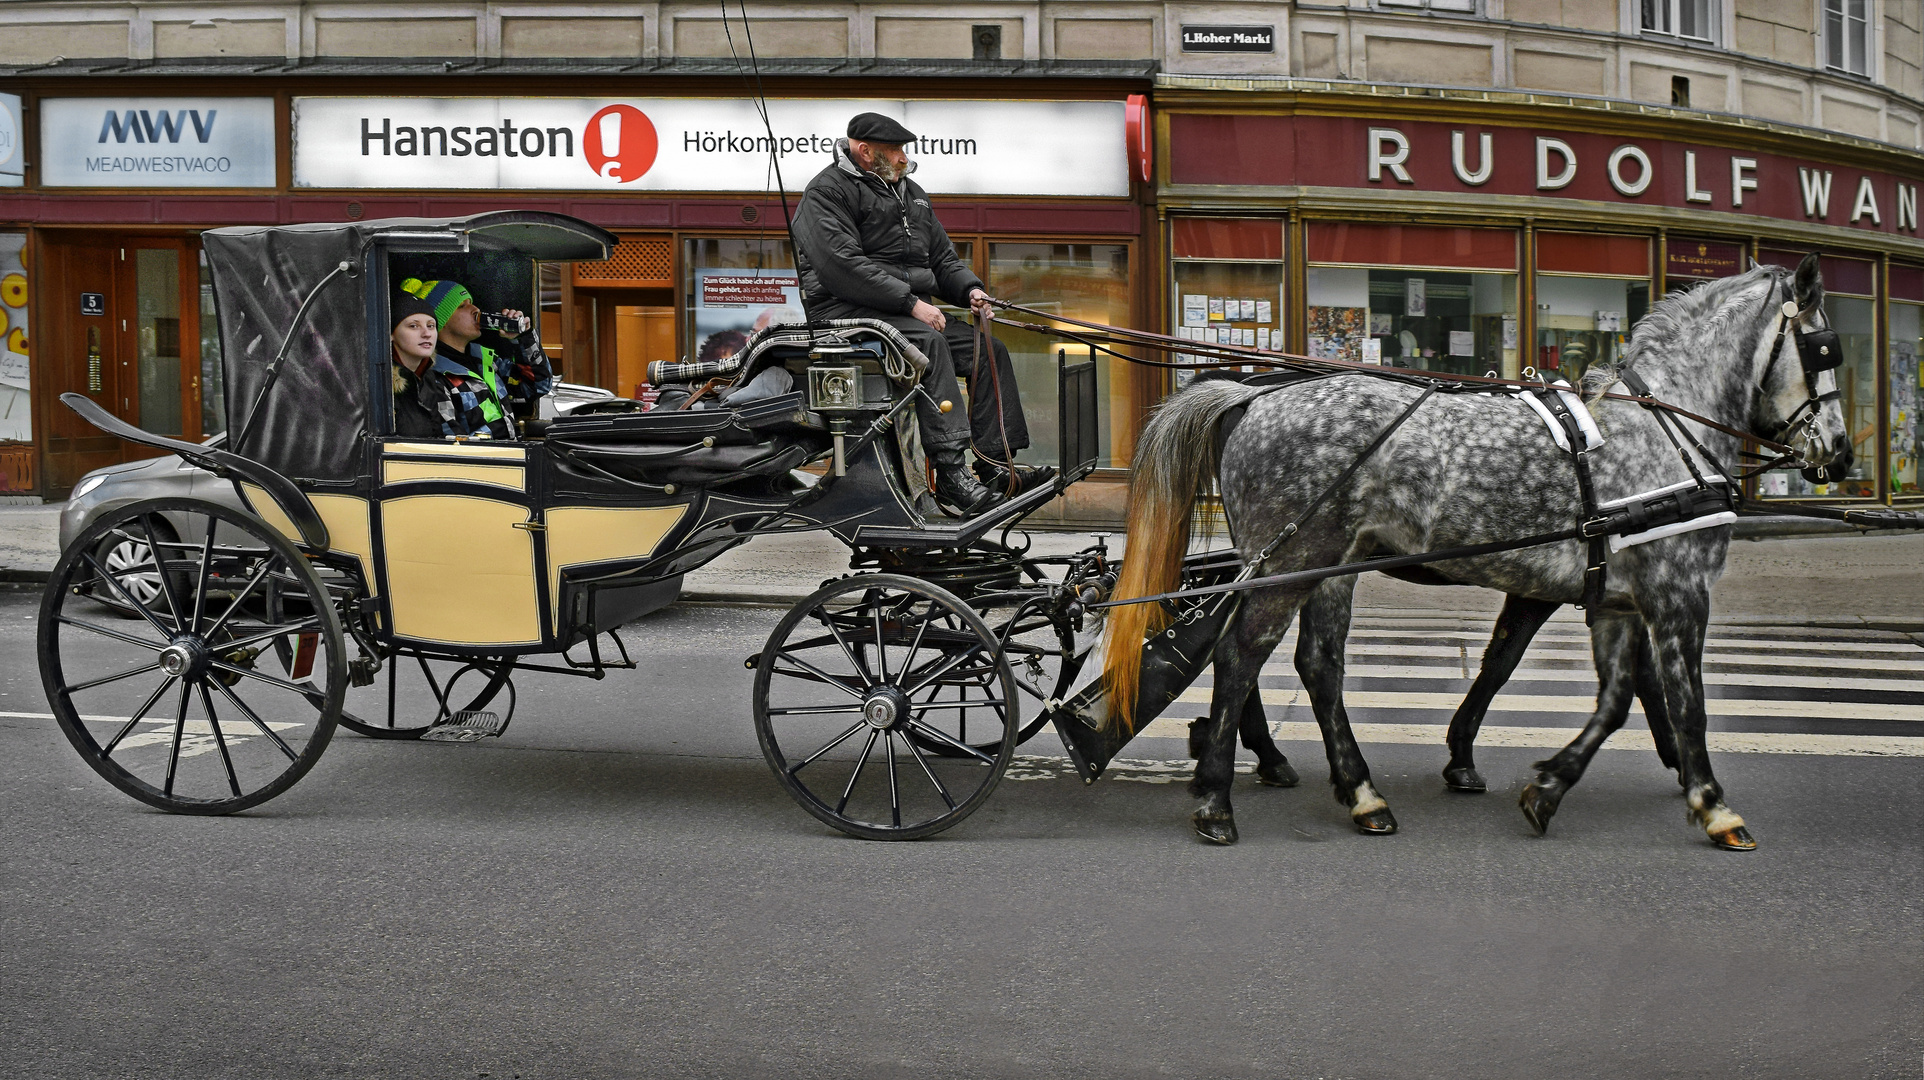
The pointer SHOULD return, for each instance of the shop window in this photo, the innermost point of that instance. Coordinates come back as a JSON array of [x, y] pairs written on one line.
[[213, 397], [1079, 281], [16, 401], [1847, 36], [735, 286], [1227, 282], [1849, 285], [1694, 20], [1417, 314], [1906, 315], [1591, 289]]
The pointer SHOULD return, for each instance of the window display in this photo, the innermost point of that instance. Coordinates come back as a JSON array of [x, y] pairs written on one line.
[[1458, 321], [1227, 283], [735, 286], [1590, 291], [1906, 313], [1849, 287]]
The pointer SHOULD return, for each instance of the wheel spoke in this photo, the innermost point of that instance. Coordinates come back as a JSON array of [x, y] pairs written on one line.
[[113, 583], [928, 772], [307, 692], [105, 679], [160, 569], [200, 587], [867, 676], [96, 628], [313, 627], [180, 730], [815, 710], [849, 789], [895, 796], [220, 740], [832, 744], [945, 667], [881, 648], [833, 680], [139, 713], [255, 720], [963, 704], [915, 646], [942, 737]]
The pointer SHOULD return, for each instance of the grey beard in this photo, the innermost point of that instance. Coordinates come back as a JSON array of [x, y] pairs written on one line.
[[887, 173]]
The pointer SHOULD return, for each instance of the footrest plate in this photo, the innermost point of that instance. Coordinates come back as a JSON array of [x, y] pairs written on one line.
[[465, 727]]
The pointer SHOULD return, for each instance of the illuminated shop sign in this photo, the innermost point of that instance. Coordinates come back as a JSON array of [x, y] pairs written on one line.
[[157, 142], [1273, 151], [696, 144]]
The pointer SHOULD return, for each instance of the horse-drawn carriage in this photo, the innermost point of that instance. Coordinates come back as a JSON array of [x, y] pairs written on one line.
[[395, 585]]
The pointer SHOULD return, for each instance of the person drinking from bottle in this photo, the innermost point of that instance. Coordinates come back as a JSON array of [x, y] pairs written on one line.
[[492, 382]]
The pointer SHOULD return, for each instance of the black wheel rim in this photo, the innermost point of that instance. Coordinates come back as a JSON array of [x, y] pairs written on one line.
[[181, 707], [859, 680]]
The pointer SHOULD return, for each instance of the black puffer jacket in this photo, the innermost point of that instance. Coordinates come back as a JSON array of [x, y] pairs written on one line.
[[873, 245]]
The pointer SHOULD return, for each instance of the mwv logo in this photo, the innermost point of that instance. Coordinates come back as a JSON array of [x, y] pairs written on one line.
[[149, 127]]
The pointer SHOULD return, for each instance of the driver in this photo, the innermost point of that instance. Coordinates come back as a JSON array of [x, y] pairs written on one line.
[[487, 381], [869, 247]]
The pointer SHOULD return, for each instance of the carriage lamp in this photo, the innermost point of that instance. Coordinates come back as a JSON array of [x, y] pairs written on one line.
[[834, 389]]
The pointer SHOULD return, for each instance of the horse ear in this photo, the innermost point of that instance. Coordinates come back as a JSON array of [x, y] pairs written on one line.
[[1753, 264], [1810, 280]]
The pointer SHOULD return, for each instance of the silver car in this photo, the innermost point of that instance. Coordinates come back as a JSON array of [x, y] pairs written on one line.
[[171, 478]]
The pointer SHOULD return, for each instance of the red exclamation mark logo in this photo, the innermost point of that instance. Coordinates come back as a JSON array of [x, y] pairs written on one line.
[[620, 143]]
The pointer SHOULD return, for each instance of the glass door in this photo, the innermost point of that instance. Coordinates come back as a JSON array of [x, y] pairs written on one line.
[[159, 326]]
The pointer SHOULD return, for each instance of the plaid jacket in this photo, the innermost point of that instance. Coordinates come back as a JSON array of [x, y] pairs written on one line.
[[457, 392]]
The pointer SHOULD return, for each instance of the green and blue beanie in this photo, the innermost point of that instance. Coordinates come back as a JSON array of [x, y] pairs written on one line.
[[445, 297]]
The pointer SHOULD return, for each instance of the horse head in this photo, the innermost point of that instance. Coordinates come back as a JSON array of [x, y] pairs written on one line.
[[1797, 400]]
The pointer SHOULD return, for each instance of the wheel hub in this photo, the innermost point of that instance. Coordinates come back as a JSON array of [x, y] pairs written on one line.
[[186, 657], [885, 707]]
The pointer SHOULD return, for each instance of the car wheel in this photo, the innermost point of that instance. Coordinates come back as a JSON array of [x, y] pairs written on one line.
[[120, 553]]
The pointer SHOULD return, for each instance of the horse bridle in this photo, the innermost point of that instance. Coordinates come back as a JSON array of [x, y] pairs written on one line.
[[1818, 350]]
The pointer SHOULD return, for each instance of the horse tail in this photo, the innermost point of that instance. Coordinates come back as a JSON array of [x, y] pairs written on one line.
[[1175, 455]]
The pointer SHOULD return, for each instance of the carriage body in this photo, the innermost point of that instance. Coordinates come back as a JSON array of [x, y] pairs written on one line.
[[480, 555]]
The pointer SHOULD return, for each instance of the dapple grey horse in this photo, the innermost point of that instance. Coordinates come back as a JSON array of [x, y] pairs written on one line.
[[1468, 469]]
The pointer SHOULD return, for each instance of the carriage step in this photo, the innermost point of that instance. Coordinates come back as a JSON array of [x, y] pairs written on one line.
[[465, 727]]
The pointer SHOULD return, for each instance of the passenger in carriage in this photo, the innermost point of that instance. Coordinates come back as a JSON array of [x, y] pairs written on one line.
[[423, 397], [487, 382], [869, 247]]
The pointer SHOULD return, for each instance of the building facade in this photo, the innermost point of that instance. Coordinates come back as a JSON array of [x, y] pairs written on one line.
[[1462, 185]]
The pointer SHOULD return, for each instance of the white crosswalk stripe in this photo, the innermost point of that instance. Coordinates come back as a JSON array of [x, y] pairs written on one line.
[[1829, 692]]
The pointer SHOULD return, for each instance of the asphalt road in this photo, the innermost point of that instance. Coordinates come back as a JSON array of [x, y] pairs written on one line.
[[618, 888]]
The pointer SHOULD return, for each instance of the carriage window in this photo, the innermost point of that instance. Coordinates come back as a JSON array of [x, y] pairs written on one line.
[[1591, 288], [1411, 312], [1848, 285], [1227, 282], [213, 402], [548, 321], [1080, 281], [1907, 342]]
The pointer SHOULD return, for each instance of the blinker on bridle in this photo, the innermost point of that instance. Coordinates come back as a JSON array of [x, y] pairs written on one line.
[[1818, 350]]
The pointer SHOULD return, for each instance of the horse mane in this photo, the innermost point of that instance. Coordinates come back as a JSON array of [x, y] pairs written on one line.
[[1680, 323]]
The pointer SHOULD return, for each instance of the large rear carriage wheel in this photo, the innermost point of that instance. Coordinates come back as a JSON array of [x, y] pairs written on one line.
[[178, 708], [855, 686]]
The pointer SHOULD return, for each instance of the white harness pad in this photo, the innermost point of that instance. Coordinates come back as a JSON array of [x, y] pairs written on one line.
[[1708, 521], [1586, 423]]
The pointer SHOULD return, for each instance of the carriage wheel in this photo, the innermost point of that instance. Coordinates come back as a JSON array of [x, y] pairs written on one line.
[[856, 682], [176, 708], [1040, 653], [414, 693]]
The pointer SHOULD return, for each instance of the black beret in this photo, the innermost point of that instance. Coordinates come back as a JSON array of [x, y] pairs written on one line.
[[874, 127], [405, 305]]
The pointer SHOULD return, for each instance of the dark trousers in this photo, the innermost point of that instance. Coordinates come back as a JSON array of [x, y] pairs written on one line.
[[994, 404], [952, 429]]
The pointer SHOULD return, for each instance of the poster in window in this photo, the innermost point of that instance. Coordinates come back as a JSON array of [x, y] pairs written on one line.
[[16, 400], [1263, 311], [1416, 296], [1195, 309], [1339, 331], [1216, 308], [1462, 343], [732, 304], [1380, 324], [1248, 310]]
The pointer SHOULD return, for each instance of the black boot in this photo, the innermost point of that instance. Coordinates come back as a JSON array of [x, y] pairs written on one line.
[[1027, 478], [956, 488]]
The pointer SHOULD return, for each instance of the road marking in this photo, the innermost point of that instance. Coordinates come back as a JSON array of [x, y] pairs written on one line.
[[1394, 699], [1717, 641], [1452, 652], [1529, 673], [1727, 742]]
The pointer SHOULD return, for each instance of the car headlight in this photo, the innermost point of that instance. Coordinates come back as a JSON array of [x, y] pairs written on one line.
[[86, 484]]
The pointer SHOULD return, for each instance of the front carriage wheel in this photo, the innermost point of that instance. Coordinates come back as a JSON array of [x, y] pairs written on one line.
[[858, 680], [178, 708]]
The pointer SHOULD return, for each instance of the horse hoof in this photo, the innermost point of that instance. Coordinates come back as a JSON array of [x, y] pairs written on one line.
[[1375, 823], [1538, 806], [1737, 839], [1464, 778], [1277, 775], [1216, 830]]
